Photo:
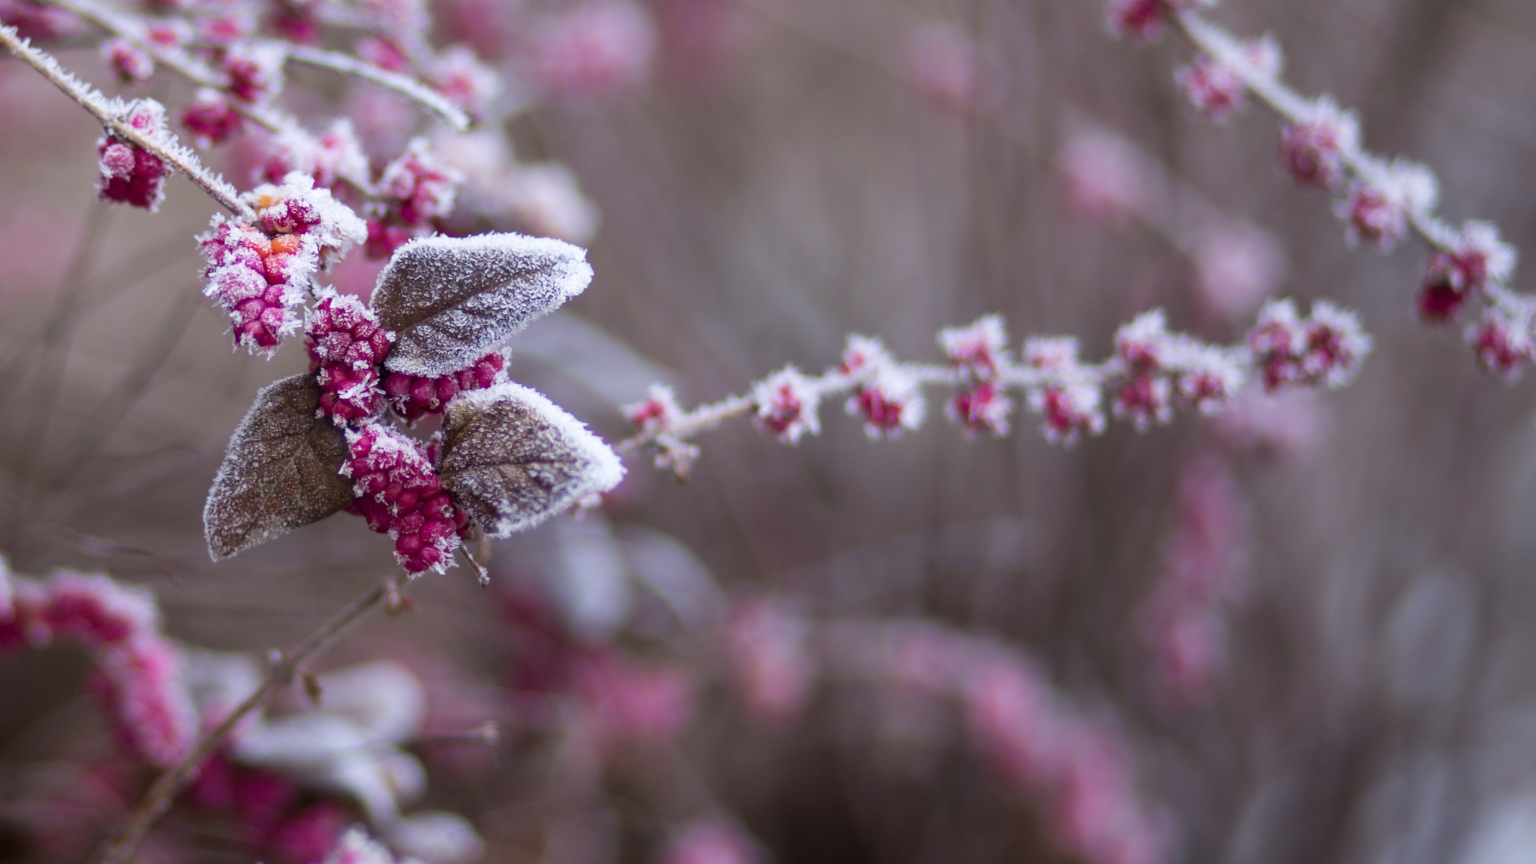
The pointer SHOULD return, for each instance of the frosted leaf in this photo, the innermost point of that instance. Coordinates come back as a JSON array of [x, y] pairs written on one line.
[[452, 300], [279, 472], [511, 458]]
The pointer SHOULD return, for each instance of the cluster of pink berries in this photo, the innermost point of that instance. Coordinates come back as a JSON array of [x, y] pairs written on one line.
[[140, 679], [260, 272], [346, 347], [399, 494], [412, 192], [1324, 349], [415, 396], [978, 354], [130, 174]]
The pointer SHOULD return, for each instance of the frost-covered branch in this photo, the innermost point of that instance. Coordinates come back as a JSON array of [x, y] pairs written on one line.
[[137, 128], [403, 84], [1151, 369], [1381, 201]]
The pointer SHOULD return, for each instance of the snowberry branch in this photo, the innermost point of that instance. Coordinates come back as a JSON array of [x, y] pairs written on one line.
[[1150, 370], [1380, 201], [120, 847], [114, 115]]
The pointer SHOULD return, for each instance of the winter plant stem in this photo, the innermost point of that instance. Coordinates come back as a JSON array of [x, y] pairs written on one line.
[[1292, 106], [120, 847], [401, 84], [97, 106]]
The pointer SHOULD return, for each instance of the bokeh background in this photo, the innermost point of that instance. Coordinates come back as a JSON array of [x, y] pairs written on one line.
[[784, 173]]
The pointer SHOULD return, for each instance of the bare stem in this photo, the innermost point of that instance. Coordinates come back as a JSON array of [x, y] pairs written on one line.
[[120, 847], [405, 85], [97, 105]]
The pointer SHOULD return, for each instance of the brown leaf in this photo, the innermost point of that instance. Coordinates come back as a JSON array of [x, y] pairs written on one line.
[[280, 471], [512, 458], [452, 300]]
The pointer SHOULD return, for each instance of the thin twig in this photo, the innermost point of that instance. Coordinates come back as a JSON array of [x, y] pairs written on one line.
[[109, 114], [405, 85], [120, 847]]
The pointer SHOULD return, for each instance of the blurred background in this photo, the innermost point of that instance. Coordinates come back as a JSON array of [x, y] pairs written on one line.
[[1299, 632]]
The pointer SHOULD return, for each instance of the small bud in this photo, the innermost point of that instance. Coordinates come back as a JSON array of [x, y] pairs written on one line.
[[786, 405]]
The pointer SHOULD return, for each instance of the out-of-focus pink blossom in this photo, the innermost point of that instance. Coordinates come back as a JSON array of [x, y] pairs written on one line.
[[210, 117], [594, 49], [458, 74], [1288, 423], [1105, 177], [634, 703], [769, 658], [710, 841], [700, 38], [129, 61], [1236, 267], [942, 66], [1203, 573]]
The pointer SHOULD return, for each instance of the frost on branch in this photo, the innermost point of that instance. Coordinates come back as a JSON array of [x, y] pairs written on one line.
[[1151, 372], [280, 471], [453, 300], [512, 458]]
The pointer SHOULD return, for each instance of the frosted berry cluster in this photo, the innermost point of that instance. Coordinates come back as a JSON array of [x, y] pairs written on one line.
[[411, 192], [346, 347], [139, 670], [978, 352], [1217, 88], [888, 397], [399, 494], [786, 404], [129, 174], [1158, 364], [416, 396], [1325, 348], [260, 271]]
